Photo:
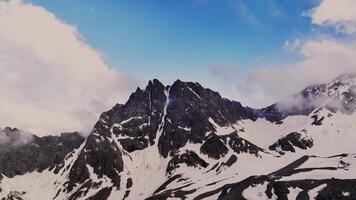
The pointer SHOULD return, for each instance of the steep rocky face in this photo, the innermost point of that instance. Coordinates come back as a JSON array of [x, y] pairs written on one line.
[[101, 157], [192, 113], [22, 152], [132, 126], [136, 123]]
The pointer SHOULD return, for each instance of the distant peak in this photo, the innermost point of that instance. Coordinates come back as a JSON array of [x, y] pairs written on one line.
[[347, 76], [178, 81], [186, 83], [154, 83], [138, 89]]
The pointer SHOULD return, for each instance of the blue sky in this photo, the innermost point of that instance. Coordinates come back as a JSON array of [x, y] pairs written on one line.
[[236, 47], [170, 39]]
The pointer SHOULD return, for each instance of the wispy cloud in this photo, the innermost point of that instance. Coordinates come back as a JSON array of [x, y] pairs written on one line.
[[243, 11]]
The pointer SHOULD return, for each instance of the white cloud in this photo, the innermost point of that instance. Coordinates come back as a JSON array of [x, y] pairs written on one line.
[[322, 59], [50, 79], [339, 14]]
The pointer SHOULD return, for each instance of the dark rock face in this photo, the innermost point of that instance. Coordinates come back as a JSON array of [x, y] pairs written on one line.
[[240, 145], [217, 146], [190, 109], [317, 121], [332, 188], [180, 113], [131, 145], [100, 153], [38, 153], [214, 147], [230, 161], [289, 142], [189, 158], [140, 117]]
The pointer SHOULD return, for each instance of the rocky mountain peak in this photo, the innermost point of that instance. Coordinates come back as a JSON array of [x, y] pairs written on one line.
[[186, 141]]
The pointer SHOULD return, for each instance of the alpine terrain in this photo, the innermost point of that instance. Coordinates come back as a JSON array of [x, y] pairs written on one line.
[[184, 141]]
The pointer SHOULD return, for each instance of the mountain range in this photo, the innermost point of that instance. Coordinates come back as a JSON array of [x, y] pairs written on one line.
[[184, 141]]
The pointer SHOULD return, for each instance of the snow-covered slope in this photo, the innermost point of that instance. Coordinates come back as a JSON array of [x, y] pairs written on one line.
[[187, 142]]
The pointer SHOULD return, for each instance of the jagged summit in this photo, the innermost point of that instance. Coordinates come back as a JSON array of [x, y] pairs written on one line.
[[168, 111]]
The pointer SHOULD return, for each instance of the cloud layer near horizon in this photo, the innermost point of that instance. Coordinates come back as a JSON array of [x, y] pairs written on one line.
[[50, 79], [323, 57]]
